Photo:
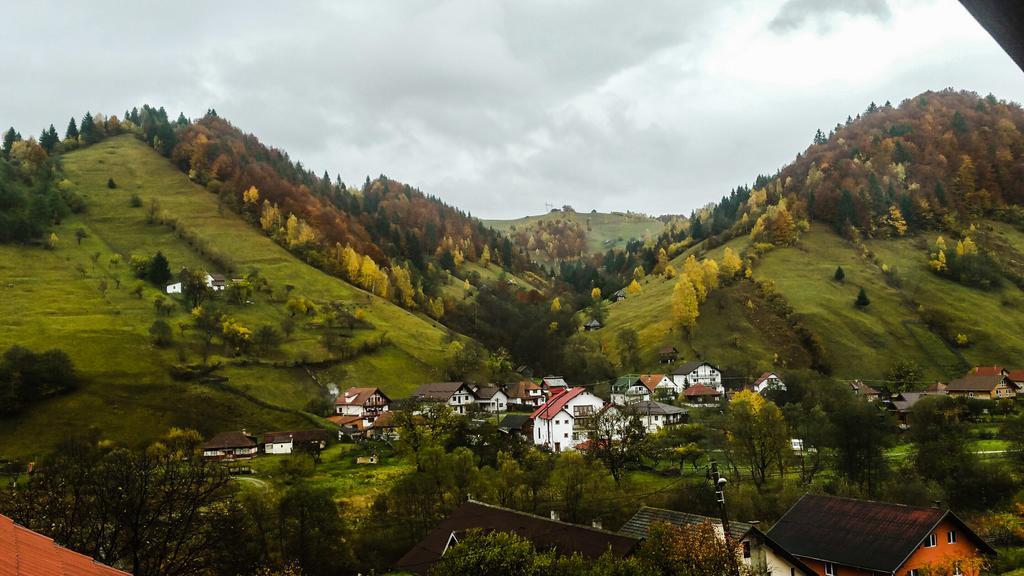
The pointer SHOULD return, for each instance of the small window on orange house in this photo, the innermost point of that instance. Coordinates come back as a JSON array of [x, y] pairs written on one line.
[[951, 537], [930, 543]]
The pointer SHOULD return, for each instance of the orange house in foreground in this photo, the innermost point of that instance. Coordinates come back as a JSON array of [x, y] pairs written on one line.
[[847, 537]]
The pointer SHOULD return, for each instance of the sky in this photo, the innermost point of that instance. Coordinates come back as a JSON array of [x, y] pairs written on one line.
[[503, 107]]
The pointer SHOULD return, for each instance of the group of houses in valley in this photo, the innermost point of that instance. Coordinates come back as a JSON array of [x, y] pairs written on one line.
[[987, 383], [215, 282], [818, 536], [240, 445]]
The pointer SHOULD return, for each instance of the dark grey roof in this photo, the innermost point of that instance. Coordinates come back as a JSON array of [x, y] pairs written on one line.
[[640, 524], [437, 390], [513, 422], [865, 534], [233, 439], [486, 392], [655, 408], [976, 383], [690, 366]]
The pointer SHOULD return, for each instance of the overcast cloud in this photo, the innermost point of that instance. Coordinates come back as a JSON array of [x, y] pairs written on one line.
[[500, 107]]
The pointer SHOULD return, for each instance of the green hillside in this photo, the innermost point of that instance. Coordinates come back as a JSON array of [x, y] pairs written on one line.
[[77, 298], [741, 330], [603, 230]]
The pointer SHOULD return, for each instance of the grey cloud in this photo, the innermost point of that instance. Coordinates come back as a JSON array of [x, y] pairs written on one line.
[[795, 13]]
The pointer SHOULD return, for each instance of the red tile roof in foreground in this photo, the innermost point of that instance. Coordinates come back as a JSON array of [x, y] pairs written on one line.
[[556, 403], [701, 390], [27, 553]]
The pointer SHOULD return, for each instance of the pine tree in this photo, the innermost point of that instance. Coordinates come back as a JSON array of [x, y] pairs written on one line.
[[72, 131], [48, 139], [839, 275], [159, 271], [87, 132], [10, 137], [862, 299]]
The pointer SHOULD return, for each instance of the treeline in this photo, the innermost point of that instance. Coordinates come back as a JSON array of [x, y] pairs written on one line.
[[408, 237], [34, 196], [27, 377], [556, 239]]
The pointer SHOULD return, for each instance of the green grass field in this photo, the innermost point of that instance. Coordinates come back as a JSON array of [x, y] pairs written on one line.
[[859, 343], [53, 299], [607, 230]]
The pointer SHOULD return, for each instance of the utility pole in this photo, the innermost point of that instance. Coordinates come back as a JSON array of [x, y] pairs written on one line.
[[720, 498]]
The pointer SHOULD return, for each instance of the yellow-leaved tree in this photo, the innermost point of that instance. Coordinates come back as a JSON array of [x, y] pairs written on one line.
[[710, 274], [633, 288], [694, 272], [556, 304], [595, 294], [731, 264], [685, 308], [251, 196]]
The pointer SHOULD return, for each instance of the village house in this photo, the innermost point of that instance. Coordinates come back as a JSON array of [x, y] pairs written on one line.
[[563, 421], [216, 282], [27, 553], [656, 415], [235, 445], [619, 295], [984, 386], [661, 386], [668, 354], [312, 441], [367, 403], [491, 398], [174, 288], [759, 552], [834, 536], [768, 381], [699, 395], [458, 395], [546, 534], [861, 389], [629, 389], [517, 425], [592, 325], [385, 427], [902, 404], [553, 384], [525, 393], [698, 372]]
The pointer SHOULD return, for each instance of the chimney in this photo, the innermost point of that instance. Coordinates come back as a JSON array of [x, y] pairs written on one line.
[[554, 515], [596, 524]]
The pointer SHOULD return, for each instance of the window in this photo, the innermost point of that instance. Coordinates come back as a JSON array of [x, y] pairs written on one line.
[[912, 572], [930, 542], [956, 569], [951, 537], [566, 435], [830, 569]]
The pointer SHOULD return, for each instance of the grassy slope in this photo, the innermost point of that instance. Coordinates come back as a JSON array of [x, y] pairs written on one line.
[[606, 230], [858, 343], [46, 302]]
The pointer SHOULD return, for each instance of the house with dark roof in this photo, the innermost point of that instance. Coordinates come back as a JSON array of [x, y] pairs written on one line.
[[552, 384], [593, 324], [668, 354], [984, 386], [903, 404], [458, 395], [491, 398], [656, 415], [698, 372], [301, 440], [24, 552], [517, 425], [563, 422], [759, 551], [234, 445], [844, 536], [546, 534]]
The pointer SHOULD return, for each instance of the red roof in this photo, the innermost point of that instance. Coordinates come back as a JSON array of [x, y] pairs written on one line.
[[555, 404], [651, 381], [701, 390], [988, 370], [27, 553], [1016, 375]]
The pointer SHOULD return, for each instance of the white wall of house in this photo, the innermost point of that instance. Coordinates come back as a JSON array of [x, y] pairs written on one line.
[[282, 447], [563, 431], [174, 288], [635, 393], [772, 382], [704, 374], [496, 403], [462, 399]]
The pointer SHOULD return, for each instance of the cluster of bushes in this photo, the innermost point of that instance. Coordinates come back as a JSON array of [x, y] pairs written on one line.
[[27, 377]]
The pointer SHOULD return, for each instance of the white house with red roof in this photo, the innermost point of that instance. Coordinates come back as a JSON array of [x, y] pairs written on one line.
[[768, 381], [562, 422]]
